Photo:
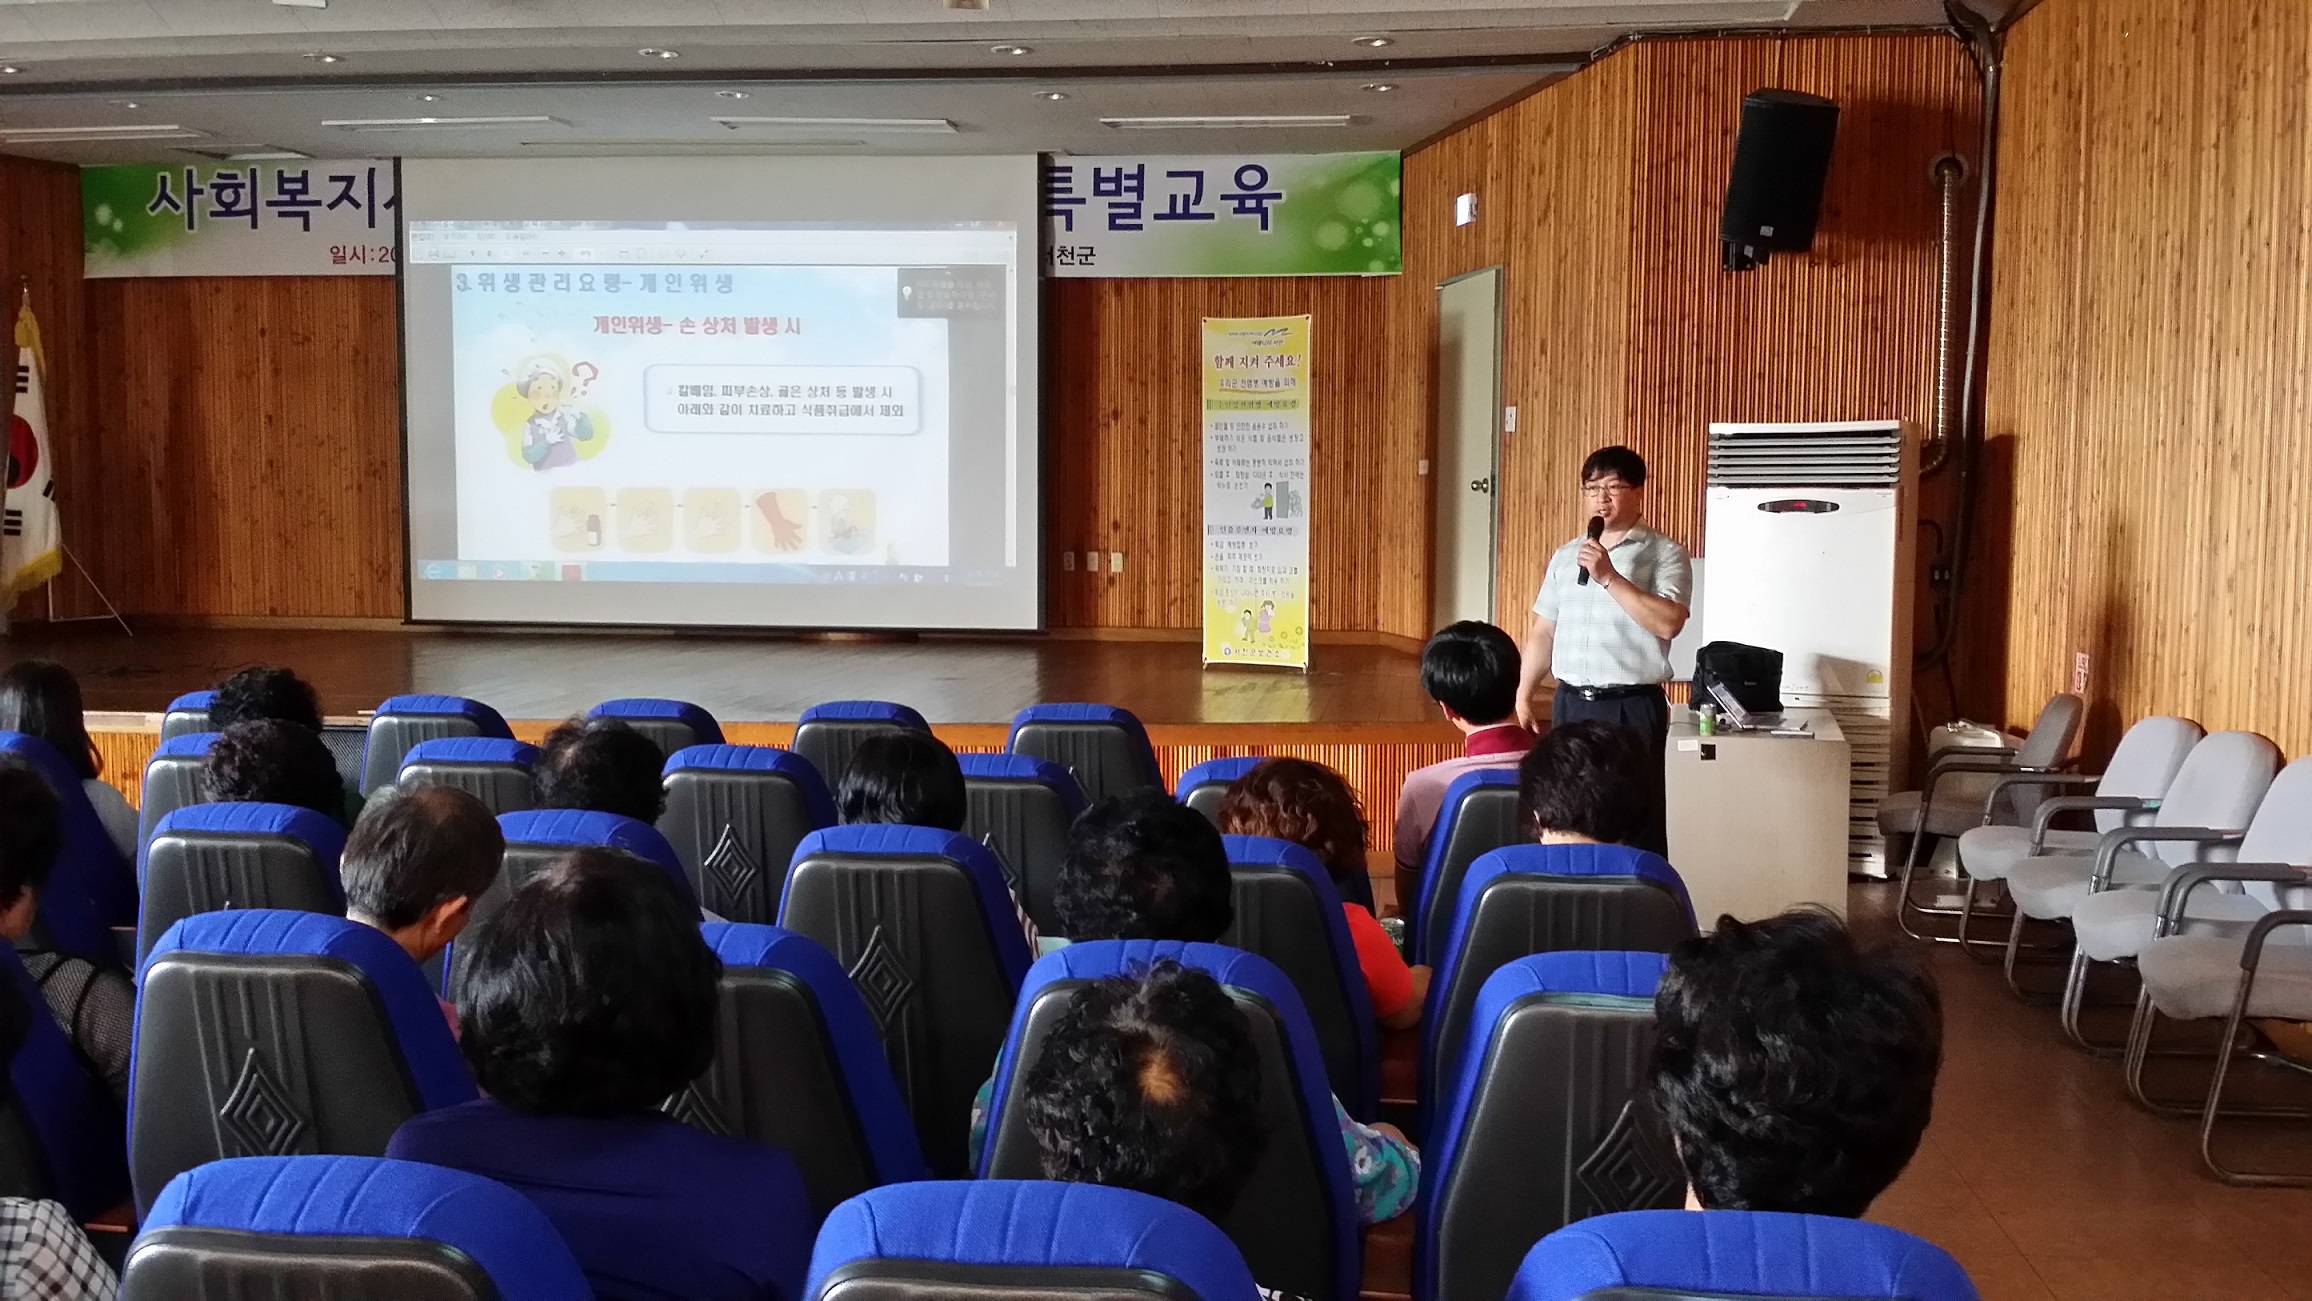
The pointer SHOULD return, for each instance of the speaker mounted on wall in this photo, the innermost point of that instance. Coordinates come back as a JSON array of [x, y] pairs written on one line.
[[1781, 159]]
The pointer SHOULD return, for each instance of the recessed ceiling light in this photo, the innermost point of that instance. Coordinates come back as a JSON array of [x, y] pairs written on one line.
[[437, 123], [1225, 122], [319, 57], [126, 103], [428, 98], [1380, 87], [58, 135], [9, 69], [1375, 42], [1054, 96], [1013, 51], [845, 125], [654, 52], [731, 94]]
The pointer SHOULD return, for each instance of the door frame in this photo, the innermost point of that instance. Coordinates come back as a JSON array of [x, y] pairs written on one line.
[[1493, 474]]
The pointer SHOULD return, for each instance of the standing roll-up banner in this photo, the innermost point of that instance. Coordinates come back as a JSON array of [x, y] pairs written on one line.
[[1256, 490]]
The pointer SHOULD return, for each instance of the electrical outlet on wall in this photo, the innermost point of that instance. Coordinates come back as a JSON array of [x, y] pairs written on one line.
[[2079, 667], [1091, 562], [1068, 561], [1115, 562]]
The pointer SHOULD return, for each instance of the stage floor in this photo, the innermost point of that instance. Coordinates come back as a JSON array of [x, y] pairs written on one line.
[[764, 679]]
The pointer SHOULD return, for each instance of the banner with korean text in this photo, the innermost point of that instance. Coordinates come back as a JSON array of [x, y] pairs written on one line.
[[301, 218], [1223, 215], [1256, 490]]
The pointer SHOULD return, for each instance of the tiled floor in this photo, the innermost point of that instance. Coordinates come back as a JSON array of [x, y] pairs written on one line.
[[2046, 1181]]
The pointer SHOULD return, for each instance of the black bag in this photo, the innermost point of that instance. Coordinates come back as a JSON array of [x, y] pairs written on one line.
[[1750, 674]]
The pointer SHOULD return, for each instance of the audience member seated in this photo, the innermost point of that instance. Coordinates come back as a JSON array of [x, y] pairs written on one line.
[[588, 1000], [41, 698], [1310, 805], [43, 1255], [267, 761], [1470, 669], [95, 1006], [280, 695], [1152, 1084], [1578, 785], [603, 765], [1796, 1069], [1146, 867], [903, 776], [415, 863]]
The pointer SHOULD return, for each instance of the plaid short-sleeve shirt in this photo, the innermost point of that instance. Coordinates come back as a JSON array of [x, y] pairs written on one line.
[[1597, 643]]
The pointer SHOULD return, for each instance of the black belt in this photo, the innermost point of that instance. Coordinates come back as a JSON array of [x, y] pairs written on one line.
[[1614, 693]]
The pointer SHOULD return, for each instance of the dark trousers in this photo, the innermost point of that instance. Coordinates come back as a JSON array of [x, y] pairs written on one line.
[[1647, 715]]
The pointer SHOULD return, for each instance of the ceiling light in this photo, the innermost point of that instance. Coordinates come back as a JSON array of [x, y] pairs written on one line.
[[262, 155], [730, 94], [303, 4], [428, 98], [654, 52], [9, 69], [57, 135], [1375, 42], [1379, 87], [897, 125], [319, 57], [978, 5], [1212, 123], [1013, 51], [1054, 96], [436, 123], [126, 103]]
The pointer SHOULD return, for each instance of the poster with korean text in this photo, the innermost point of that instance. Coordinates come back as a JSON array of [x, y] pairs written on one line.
[[1256, 490], [1223, 215], [305, 217]]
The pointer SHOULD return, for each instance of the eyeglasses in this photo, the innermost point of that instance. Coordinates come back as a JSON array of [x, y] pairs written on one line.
[[1607, 488]]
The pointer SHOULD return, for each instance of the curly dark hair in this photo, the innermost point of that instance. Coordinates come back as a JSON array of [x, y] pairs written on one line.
[[1585, 778], [1150, 1082], [1303, 802], [274, 762], [415, 848], [31, 830], [903, 775], [1143, 866], [41, 698], [603, 765], [265, 692], [591, 993], [1471, 668], [1796, 1069]]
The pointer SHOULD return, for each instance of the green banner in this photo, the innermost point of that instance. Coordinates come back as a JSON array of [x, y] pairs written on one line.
[[302, 218], [1223, 215]]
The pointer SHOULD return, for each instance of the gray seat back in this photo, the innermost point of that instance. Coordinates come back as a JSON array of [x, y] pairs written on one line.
[[1485, 820], [2220, 784], [2144, 763], [188, 872], [1026, 823], [171, 782], [182, 1263], [736, 829]]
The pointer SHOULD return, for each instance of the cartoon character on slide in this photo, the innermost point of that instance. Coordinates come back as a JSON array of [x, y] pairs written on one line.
[[1267, 617], [551, 435], [1244, 627], [843, 531], [1265, 503]]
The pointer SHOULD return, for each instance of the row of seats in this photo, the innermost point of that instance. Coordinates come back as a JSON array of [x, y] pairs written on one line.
[[346, 1226]]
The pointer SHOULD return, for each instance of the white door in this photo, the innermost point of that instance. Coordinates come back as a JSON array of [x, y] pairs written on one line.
[[1468, 445]]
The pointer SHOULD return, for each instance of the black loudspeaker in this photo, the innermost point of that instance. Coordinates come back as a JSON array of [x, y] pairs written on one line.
[[1781, 159]]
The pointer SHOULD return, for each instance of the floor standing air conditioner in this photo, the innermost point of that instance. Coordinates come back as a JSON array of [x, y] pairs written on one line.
[[1808, 539]]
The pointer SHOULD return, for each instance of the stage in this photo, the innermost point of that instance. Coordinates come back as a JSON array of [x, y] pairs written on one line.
[[1360, 708]]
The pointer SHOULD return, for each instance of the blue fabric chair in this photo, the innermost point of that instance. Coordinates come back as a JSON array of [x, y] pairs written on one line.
[[86, 861], [270, 1033], [1049, 1239], [670, 724], [1478, 814], [798, 1065], [537, 837], [1022, 808], [211, 857], [1542, 1121], [493, 769], [172, 780], [1296, 1221], [1287, 911], [312, 1225], [830, 731], [1201, 787], [75, 1125], [1529, 899], [1104, 747], [1734, 1254], [922, 921], [734, 814], [187, 713], [403, 721]]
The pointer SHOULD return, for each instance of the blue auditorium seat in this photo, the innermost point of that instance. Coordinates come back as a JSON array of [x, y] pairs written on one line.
[[346, 1226], [921, 919], [799, 1066], [1478, 815], [403, 721], [187, 713], [75, 1127], [1022, 808], [1038, 1239], [671, 725], [1529, 899], [734, 814], [1542, 1121], [830, 731], [1202, 786], [536, 838], [267, 1033], [172, 780], [90, 885], [493, 769], [1288, 912], [211, 857], [1105, 747], [1296, 1220], [1736, 1254]]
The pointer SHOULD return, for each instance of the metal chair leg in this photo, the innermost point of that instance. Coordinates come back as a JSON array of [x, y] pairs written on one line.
[[2075, 999], [1907, 903], [2015, 947], [2214, 1108]]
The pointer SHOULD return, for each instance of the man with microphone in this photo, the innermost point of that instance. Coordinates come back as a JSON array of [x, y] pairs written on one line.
[[1609, 604]]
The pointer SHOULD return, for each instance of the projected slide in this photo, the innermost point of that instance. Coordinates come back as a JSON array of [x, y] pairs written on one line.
[[709, 421]]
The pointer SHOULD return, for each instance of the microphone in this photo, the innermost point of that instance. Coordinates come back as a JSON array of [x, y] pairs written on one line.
[[1597, 529]]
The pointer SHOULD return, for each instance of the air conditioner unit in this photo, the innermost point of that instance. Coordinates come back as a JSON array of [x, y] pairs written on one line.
[[1808, 532]]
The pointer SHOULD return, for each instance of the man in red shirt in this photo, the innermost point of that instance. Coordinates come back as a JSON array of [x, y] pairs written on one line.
[[1470, 669]]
